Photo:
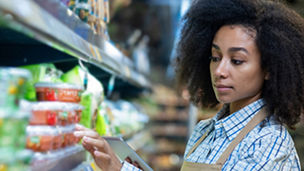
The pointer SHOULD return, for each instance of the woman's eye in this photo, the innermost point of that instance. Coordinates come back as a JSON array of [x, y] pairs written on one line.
[[215, 59], [237, 62]]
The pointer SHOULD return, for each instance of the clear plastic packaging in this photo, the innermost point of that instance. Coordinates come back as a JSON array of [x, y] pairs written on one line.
[[55, 113], [58, 92], [43, 138], [12, 130], [12, 87], [68, 134]]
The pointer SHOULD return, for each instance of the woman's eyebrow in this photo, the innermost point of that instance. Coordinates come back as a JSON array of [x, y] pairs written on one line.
[[215, 46], [236, 49]]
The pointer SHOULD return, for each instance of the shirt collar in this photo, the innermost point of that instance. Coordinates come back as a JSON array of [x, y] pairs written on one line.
[[234, 123]]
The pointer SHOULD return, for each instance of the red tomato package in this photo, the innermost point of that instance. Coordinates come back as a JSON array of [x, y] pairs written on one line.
[[58, 92]]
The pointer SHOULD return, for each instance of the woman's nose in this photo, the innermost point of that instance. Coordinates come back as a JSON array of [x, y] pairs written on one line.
[[222, 69]]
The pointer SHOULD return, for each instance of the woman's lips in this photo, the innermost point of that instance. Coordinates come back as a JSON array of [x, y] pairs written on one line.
[[223, 88]]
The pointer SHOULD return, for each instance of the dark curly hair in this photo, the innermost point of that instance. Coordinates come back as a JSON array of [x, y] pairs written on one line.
[[279, 37]]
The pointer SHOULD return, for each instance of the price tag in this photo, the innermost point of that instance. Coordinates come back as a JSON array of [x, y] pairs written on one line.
[[92, 51], [98, 55]]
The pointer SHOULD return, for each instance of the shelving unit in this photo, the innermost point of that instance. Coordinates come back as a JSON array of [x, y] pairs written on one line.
[[41, 31], [170, 129], [71, 159], [30, 35]]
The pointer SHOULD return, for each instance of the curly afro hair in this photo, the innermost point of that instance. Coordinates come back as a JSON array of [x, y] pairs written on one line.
[[279, 37]]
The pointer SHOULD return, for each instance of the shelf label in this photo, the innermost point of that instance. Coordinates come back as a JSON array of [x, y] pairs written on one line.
[[92, 51], [98, 55]]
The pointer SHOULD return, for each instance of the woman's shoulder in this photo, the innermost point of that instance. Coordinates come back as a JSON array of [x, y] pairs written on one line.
[[270, 134]]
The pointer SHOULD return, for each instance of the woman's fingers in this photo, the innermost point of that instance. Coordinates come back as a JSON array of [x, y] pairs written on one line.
[[88, 133], [79, 127], [88, 147], [106, 162], [101, 156], [99, 143]]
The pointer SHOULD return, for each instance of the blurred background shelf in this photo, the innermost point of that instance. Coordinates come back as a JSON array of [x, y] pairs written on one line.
[[139, 140], [31, 35]]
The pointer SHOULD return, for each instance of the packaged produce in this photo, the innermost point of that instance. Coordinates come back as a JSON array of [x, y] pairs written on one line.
[[12, 130], [74, 113], [72, 4], [99, 22], [78, 109], [87, 101], [58, 92], [80, 77], [42, 138], [106, 11], [55, 113], [92, 96], [58, 140], [12, 160], [102, 121], [45, 113], [40, 73], [12, 87], [68, 134], [82, 9]]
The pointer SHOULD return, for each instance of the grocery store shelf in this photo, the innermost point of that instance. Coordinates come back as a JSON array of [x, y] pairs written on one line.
[[30, 34], [61, 160], [176, 117]]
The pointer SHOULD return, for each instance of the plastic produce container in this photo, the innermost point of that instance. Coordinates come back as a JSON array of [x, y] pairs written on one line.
[[43, 138], [58, 92], [55, 113], [68, 134], [12, 130], [12, 87]]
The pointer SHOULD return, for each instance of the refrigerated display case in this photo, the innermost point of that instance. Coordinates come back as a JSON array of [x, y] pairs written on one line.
[[36, 31]]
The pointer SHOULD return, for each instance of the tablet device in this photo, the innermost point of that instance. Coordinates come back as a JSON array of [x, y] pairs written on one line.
[[123, 150]]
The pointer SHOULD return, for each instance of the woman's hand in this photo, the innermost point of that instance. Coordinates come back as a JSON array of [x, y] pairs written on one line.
[[101, 151]]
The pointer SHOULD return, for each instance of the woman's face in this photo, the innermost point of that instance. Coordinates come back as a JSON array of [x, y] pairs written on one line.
[[235, 67]]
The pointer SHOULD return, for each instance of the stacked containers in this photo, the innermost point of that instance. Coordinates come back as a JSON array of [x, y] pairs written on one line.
[[54, 117]]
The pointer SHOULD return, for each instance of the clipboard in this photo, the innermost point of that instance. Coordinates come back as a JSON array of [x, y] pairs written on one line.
[[123, 150]]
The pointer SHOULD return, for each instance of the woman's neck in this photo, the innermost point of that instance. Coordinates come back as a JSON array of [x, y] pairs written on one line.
[[237, 105]]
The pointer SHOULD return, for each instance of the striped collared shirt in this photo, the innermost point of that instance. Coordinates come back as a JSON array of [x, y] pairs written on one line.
[[264, 148]]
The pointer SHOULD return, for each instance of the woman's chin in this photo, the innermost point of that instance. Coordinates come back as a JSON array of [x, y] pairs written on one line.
[[224, 100]]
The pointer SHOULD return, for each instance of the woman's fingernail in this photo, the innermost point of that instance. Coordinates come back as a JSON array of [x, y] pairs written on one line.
[[97, 153], [86, 139], [77, 134], [79, 126]]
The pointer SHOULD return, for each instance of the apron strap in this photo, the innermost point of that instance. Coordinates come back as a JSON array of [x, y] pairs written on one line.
[[197, 143], [258, 118]]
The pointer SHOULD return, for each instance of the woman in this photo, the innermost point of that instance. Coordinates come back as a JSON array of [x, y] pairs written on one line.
[[248, 55]]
